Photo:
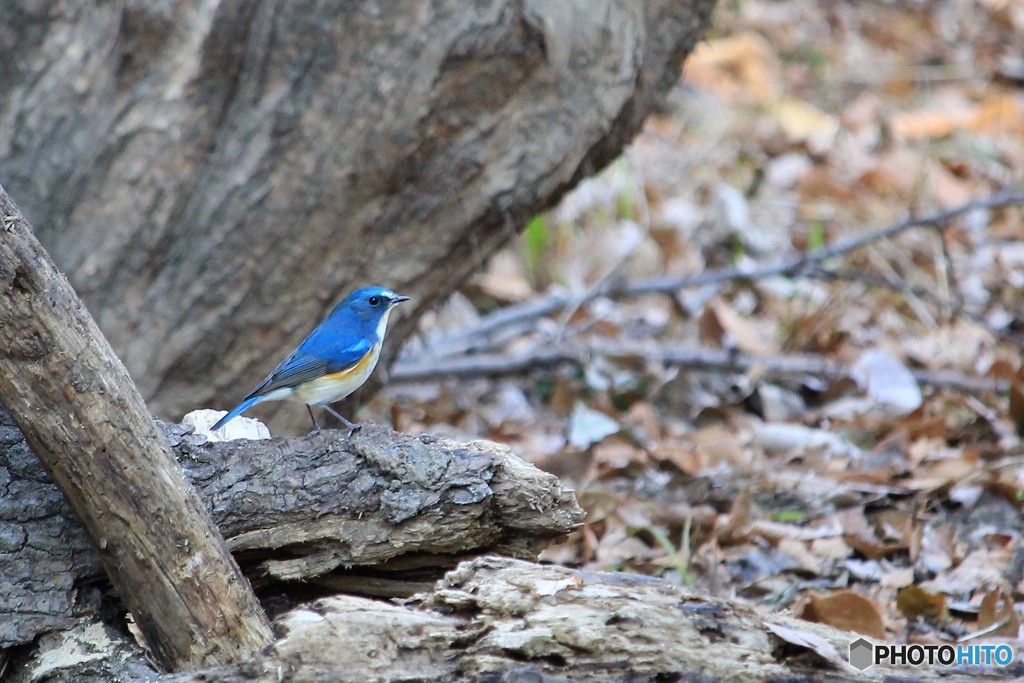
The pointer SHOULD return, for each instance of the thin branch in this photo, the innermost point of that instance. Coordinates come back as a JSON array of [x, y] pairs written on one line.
[[947, 307], [500, 365], [468, 339], [985, 631]]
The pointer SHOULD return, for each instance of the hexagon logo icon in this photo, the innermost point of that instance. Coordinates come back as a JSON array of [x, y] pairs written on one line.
[[862, 654]]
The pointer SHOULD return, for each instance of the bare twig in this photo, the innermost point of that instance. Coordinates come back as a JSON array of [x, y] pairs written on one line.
[[950, 308], [467, 339], [951, 280], [985, 631], [498, 365]]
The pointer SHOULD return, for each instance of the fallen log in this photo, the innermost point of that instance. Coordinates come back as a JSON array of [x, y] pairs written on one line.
[[380, 512], [497, 618], [72, 399]]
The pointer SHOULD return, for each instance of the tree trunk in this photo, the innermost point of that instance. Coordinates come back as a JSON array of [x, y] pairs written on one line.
[[214, 176], [81, 414], [499, 619], [381, 514]]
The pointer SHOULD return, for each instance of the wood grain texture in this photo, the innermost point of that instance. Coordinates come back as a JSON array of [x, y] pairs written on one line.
[[80, 413], [499, 619], [213, 176], [382, 513]]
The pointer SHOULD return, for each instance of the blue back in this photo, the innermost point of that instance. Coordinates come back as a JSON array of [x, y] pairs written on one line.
[[353, 322]]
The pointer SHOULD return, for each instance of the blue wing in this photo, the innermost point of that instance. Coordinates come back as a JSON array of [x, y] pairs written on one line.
[[299, 368], [314, 358]]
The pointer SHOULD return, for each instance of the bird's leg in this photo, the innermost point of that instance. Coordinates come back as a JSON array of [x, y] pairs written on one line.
[[316, 427], [352, 426]]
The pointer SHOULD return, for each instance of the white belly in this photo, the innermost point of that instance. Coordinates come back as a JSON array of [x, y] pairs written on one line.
[[331, 388]]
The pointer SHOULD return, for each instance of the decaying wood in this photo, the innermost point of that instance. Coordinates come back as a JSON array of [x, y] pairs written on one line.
[[90, 651], [212, 176], [502, 619], [380, 513], [80, 412]]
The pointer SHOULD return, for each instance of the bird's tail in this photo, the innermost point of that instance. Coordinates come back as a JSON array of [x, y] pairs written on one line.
[[236, 411]]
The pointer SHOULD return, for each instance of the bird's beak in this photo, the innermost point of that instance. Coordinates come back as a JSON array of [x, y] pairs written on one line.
[[399, 299]]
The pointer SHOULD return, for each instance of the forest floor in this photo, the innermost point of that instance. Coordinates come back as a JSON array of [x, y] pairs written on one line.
[[754, 385]]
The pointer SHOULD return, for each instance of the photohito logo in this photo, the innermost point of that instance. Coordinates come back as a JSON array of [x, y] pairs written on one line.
[[863, 654]]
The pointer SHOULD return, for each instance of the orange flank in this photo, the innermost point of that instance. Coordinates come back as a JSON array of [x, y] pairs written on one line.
[[363, 364], [337, 385]]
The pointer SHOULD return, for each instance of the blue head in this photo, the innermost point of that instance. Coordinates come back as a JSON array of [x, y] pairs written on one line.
[[369, 306]]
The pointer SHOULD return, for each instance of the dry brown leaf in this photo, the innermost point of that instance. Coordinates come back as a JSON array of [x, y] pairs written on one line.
[[916, 601], [799, 551], [835, 548], [616, 452], [951, 190], [942, 474], [742, 67], [804, 123], [845, 610], [936, 550], [981, 568], [897, 578], [998, 608], [795, 439], [1009, 483], [564, 396], [895, 525], [504, 279], [809, 640], [643, 417], [778, 531], [755, 337], [821, 185], [689, 460], [1016, 412], [617, 549], [895, 174], [737, 524], [859, 534], [918, 125], [1001, 114], [710, 328], [721, 444]]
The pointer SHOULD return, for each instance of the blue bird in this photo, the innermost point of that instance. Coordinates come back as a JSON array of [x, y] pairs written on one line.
[[333, 361]]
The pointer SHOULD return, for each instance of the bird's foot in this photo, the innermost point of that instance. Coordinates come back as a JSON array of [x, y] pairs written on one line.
[[352, 429]]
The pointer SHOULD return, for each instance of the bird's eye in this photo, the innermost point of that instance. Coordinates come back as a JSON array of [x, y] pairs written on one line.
[[374, 300]]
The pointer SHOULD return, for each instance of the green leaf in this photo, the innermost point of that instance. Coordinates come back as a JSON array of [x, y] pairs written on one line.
[[535, 242]]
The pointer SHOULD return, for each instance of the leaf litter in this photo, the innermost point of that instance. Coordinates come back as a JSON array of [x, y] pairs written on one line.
[[870, 500]]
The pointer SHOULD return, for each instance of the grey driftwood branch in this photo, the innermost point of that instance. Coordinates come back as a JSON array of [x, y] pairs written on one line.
[[423, 369], [386, 504], [496, 618], [87, 424], [478, 335]]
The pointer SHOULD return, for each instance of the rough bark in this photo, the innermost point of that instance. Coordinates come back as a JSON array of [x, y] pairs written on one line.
[[498, 619], [212, 176], [382, 513], [78, 409]]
